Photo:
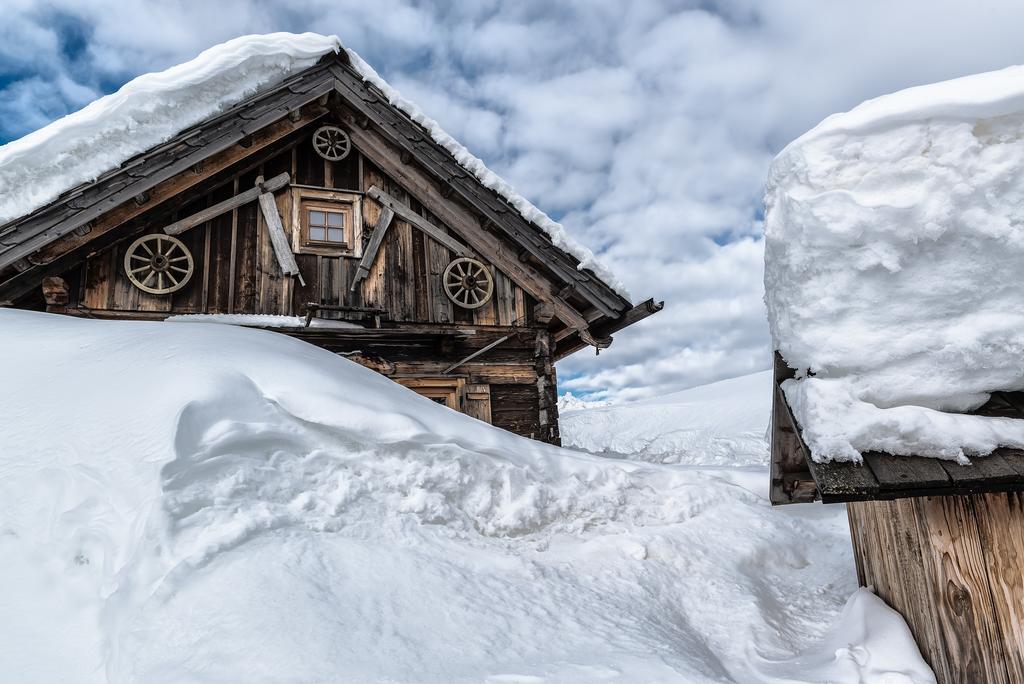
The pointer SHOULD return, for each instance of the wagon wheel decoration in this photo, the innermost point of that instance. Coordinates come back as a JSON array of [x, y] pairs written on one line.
[[158, 264], [331, 143], [468, 283]]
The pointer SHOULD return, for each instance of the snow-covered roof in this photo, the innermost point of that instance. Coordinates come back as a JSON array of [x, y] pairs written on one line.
[[894, 243], [153, 108]]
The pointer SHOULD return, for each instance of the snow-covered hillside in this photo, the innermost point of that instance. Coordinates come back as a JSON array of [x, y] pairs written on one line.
[[208, 503], [719, 424]]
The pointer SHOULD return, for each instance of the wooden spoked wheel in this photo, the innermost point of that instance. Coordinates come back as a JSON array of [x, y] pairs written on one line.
[[158, 264], [468, 283], [331, 143]]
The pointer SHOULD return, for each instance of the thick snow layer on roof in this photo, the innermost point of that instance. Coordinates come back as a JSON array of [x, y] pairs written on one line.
[[224, 504], [894, 244], [153, 108], [145, 112]]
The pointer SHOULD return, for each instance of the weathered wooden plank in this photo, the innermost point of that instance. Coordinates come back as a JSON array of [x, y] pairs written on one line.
[[180, 226], [478, 402], [278, 239], [407, 214], [990, 469], [906, 472], [837, 482], [246, 256], [373, 246], [956, 579], [890, 548], [1000, 520]]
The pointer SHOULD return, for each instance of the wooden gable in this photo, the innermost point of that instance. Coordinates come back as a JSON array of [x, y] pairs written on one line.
[[82, 235]]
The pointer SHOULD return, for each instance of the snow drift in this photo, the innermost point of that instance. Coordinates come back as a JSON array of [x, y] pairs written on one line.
[[894, 243], [153, 108], [210, 503], [723, 423]]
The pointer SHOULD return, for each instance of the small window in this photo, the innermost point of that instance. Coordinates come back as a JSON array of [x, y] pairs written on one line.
[[326, 226]]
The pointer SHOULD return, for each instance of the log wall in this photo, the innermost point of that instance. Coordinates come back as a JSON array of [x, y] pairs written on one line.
[[952, 566], [236, 270]]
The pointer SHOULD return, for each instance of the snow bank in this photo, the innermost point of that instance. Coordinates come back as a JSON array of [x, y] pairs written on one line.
[[894, 246], [869, 643], [719, 424], [145, 112], [186, 503], [260, 320], [153, 108]]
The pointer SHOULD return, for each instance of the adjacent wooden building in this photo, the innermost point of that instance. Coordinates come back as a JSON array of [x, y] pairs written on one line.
[[941, 543], [318, 199]]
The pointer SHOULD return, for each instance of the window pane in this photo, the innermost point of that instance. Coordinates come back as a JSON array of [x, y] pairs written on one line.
[[335, 235], [317, 234], [316, 218], [336, 219]]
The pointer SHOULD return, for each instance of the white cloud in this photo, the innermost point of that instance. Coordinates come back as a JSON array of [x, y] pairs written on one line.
[[647, 126]]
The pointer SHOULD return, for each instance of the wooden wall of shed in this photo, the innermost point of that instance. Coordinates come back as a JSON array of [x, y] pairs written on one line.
[[953, 566], [236, 270]]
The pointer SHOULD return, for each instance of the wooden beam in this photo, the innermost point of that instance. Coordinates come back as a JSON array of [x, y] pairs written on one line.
[[475, 354], [282, 248], [567, 344], [276, 183], [407, 214], [370, 253]]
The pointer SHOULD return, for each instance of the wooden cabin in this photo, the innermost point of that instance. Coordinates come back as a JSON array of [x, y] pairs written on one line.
[[941, 543], [319, 200]]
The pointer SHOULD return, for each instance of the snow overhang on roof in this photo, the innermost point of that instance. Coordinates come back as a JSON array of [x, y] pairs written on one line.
[[893, 251], [152, 109]]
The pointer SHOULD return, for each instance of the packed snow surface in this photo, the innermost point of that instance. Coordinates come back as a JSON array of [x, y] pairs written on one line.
[[211, 503], [153, 108], [719, 424], [894, 244]]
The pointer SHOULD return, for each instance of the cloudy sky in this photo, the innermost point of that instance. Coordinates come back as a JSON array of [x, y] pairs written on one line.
[[645, 126]]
